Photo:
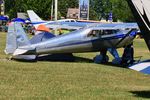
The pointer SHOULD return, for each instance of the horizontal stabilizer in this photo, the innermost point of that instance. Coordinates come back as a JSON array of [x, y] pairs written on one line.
[[21, 51], [25, 57]]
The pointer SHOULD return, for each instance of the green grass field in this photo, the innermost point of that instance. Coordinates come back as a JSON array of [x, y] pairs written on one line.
[[79, 80]]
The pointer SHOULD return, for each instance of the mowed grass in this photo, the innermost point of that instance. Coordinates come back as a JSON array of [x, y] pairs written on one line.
[[79, 80]]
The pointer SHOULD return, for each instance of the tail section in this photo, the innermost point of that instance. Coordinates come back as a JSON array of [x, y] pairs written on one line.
[[35, 19], [33, 16], [141, 12], [16, 37]]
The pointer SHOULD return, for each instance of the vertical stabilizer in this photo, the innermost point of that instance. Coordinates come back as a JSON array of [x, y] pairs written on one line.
[[16, 37], [33, 16], [10, 40], [141, 12]]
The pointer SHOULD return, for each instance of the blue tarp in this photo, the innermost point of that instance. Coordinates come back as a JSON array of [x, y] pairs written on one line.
[[4, 18], [18, 20], [28, 19]]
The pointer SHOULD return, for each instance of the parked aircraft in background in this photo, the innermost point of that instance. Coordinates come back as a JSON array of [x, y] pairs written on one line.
[[36, 20], [141, 12], [63, 23], [100, 37]]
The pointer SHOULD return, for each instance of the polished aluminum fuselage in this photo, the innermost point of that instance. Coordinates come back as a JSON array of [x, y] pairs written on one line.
[[81, 41]]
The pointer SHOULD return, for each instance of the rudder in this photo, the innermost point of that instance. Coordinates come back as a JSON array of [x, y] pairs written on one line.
[[33, 16], [16, 37]]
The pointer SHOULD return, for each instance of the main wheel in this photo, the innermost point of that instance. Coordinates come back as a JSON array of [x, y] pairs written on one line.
[[101, 59]]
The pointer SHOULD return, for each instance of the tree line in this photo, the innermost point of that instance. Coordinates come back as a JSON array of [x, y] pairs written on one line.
[[98, 8]]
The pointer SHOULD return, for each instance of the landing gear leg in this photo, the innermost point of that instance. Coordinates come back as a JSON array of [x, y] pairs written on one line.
[[114, 53], [128, 55]]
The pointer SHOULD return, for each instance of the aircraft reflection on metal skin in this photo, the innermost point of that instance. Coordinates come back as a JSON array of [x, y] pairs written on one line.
[[100, 37]]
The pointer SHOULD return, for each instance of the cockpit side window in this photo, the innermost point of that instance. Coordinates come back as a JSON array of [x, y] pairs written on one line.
[[95, 33], [107, 32], [98, 33], [92, 34], [72, 20]]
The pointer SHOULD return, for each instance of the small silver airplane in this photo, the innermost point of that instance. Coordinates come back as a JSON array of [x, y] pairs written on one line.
[[99, 37]]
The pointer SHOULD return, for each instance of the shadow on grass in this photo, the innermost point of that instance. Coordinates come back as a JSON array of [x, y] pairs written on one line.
[[58, 58], [143, 94], [114, 65], [66, 58], [71, 58]]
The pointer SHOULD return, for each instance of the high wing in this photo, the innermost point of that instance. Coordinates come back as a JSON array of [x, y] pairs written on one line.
[[94, 26], [115, 26], [68, 25]]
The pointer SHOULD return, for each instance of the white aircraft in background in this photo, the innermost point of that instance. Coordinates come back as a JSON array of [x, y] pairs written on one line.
[[63, 23], [36, 20]]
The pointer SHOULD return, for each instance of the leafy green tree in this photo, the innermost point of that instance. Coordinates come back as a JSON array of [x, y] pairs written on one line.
[[121, 10], [98, 8]]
